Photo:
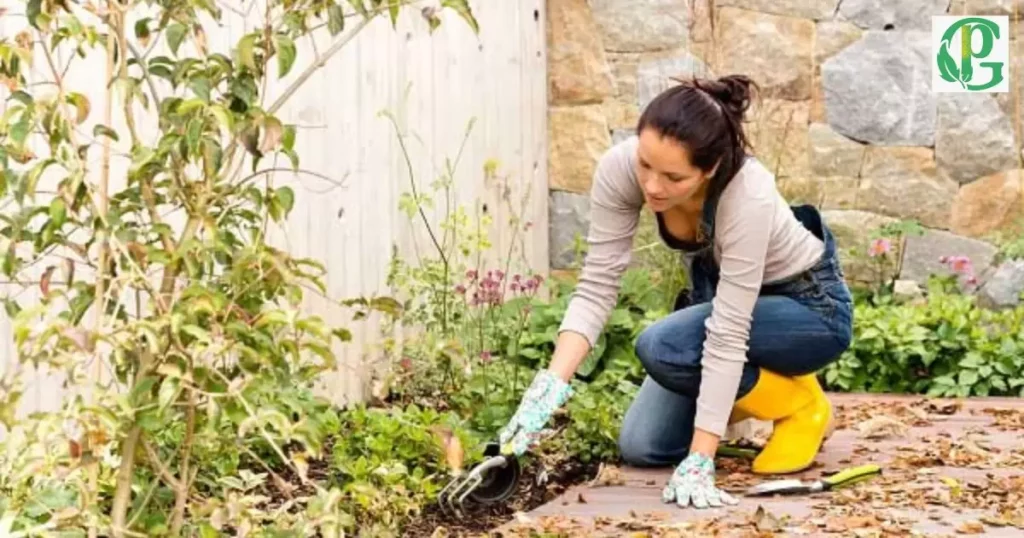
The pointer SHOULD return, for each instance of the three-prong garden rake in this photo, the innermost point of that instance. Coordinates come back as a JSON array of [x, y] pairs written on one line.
[[490, 481]]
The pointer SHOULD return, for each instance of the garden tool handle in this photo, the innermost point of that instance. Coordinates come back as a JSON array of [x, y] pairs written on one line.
[[851, 475]]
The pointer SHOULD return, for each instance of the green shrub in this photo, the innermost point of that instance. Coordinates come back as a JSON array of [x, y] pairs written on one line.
[[942, 345]]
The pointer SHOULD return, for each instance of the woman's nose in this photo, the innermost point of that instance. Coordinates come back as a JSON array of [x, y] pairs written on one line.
[[653, 187]]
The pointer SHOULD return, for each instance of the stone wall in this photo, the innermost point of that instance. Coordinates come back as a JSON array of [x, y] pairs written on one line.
[[847, 119]]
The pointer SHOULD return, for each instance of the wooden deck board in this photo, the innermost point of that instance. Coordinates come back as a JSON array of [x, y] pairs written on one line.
[[945, 463]]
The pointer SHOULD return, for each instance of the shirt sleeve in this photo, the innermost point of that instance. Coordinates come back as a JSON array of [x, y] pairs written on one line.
[[743, 227], [615, 204]]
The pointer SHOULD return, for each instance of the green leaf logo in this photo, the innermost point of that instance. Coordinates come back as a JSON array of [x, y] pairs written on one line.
[[948, 69]]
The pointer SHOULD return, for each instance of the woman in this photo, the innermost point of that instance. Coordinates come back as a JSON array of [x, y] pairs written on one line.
[[768, 305]]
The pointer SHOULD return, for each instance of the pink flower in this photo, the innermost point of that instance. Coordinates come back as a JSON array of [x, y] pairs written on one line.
[[961, 265], [958, 264], [879, 246]]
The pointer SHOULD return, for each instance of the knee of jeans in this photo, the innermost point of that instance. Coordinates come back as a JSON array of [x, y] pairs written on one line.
[[636, 450], [845, 337], [658, 347]]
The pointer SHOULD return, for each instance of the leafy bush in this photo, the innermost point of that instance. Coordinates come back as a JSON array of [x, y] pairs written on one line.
[[162, 302], [942, 345]]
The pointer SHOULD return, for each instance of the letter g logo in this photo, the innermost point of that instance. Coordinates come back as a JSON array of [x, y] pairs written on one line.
[[980, 38]]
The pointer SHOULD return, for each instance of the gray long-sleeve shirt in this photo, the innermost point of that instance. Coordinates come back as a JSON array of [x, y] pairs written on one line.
[[757, 240]]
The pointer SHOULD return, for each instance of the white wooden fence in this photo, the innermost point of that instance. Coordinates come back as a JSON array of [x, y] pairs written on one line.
[[435, 84]]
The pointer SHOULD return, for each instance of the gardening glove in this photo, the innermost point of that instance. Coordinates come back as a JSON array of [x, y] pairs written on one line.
[[546, 394], [693, 482]]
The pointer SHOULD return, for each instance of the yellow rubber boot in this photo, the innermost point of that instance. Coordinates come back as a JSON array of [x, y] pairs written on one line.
[[801, 414], [738, 415]]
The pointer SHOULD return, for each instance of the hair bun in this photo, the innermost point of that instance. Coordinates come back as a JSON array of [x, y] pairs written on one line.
[[734, 92]]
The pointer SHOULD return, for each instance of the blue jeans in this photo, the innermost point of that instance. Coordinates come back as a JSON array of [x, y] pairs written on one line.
[[799, 326]]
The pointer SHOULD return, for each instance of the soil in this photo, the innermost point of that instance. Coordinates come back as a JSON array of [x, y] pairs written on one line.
[[480, 520]]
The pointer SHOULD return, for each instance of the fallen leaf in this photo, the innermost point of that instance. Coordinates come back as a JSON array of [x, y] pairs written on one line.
[[954, 486], [451, 445], [608, 475], [301, 465], [971, 527], [881, 427], [947, 409], [766, 522]]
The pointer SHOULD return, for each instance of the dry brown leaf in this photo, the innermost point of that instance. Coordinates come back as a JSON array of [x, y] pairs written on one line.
[[882, 426], [765, 521], [451, 445], [945, 409], [44, 282], [200, 36], [283, 486], [608, 475], [971, 527]]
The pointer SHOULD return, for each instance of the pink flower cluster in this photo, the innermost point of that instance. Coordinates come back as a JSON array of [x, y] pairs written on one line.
[[961, 265], [490, 290], [879, 247]]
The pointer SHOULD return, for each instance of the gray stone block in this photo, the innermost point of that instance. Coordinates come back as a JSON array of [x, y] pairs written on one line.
[[569, 215]]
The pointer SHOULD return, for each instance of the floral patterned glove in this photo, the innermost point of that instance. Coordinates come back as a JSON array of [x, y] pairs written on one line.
[[546, 393], [693, 482]]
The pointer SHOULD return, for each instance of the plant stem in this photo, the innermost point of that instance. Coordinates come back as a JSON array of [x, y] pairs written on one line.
[[102, 270], [123, 491], [423, 214], [184, 483], [123, 488]]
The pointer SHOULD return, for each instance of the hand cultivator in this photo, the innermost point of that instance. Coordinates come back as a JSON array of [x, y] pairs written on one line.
[[491, 481]]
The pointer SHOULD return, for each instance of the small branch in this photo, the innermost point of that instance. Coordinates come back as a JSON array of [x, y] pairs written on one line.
[[122, 55], [415, 193], [321, 61], [317, 175], [159, 466], [279, 482], [123, 492], [184, 483], [145, 72], [145, 502], [266, 436], [123, 488], [231, 8]]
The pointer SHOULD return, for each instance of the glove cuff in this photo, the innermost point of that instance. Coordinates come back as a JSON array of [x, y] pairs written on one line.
[[549, 389]]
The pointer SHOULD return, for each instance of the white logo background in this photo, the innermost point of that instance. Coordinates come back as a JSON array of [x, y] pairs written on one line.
[[982, 74]]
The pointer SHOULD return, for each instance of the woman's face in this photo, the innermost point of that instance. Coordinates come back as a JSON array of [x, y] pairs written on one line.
[[667, 177]]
